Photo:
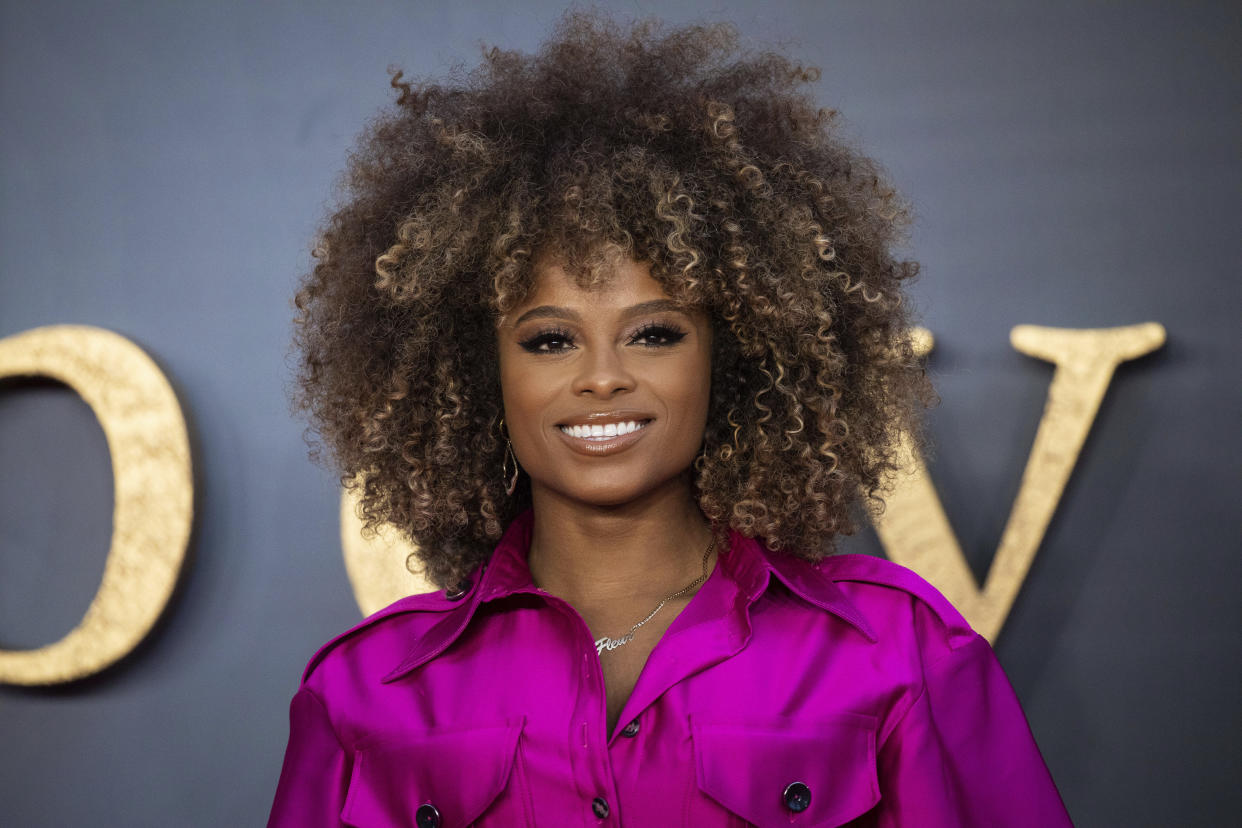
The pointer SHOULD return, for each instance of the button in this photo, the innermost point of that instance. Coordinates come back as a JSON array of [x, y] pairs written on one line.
[[427, 816], [600, 806], [458, 591], [631, 729], [797, 797]]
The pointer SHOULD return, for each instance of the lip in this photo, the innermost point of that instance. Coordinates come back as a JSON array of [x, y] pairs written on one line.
[[609, 445], [619, 415]]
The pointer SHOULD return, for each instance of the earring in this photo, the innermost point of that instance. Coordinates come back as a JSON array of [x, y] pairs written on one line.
[[511, 485]]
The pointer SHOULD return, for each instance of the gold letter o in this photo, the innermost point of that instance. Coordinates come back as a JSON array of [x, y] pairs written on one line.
[[379, 567], [151, 515]]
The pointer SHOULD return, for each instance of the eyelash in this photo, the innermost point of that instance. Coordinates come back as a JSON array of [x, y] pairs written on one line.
[[671, 334], [547, 336], [542, 341]]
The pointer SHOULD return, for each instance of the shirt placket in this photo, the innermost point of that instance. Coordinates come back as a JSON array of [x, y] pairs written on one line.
[[587, 730]]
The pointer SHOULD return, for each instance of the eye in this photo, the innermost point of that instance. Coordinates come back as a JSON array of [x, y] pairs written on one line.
[[547, 341], [657, 335]]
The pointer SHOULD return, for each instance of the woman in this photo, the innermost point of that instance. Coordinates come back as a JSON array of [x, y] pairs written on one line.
[[615, 334]]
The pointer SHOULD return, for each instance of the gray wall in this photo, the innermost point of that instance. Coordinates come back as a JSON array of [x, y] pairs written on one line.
[[163, 165]]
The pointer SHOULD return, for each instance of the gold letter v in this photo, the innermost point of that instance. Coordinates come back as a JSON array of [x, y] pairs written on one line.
[[913, 527]]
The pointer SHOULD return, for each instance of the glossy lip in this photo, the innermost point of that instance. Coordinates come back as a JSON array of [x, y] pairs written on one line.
[[620, 415], [612, 445]]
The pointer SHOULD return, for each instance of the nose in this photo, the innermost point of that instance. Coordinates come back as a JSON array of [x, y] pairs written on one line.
[[602, 373]]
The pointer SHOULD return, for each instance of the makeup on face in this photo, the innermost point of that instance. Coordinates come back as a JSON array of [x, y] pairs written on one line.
[[605, 388]]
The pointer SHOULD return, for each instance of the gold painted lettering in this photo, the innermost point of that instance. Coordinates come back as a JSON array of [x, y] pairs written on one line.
[[153, 505], [914, 529]]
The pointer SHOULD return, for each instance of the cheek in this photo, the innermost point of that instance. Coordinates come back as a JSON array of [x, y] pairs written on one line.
[[689, 389], [525, 398], [514, 390]]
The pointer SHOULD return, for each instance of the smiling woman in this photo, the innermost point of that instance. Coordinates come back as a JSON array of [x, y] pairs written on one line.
[[614, 334]]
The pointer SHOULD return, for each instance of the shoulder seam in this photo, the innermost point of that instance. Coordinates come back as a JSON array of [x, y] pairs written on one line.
[[326, 716], [914, 698]]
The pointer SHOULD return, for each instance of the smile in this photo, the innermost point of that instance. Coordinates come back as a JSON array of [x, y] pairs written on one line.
[[600, 439], [599, 433]]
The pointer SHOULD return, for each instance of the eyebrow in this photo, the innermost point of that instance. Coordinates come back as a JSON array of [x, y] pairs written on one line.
[[557, 312]]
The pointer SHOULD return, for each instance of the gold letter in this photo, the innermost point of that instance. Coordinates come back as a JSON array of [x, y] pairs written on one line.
[[914, 529], [154, 493], [381, 569]]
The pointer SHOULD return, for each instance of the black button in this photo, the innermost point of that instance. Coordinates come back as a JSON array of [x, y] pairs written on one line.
[[459, 590], [600, 806], [631, 729], [797, 797], [427, 816]]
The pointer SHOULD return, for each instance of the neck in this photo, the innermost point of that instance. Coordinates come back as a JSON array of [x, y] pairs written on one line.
[[595, 556]]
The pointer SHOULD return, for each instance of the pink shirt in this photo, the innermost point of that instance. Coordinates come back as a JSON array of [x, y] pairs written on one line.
[[785, 693]]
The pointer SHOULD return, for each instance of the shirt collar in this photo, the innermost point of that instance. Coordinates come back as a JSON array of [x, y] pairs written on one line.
[[747, 563]]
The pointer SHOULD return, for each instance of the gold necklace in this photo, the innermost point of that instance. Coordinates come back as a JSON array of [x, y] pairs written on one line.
[[606, 643]]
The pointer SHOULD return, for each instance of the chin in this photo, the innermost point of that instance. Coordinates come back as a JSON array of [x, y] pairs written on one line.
[[609, 496], [611, 492]]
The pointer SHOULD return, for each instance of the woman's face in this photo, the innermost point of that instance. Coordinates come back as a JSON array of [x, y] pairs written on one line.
[[606, 389]]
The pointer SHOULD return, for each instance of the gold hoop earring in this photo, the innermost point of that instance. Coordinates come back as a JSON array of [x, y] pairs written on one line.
[[512, 481]]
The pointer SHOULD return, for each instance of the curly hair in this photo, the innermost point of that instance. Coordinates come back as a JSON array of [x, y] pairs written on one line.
[[672, 147]]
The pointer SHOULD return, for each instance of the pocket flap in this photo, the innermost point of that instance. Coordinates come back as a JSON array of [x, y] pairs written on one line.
[[459, 771], [749, 768]]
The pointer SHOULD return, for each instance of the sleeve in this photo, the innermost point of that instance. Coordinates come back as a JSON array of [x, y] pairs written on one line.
[[963, 755], [315, 775]]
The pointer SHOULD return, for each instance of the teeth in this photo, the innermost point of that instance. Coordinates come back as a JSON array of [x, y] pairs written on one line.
[[602, 432]]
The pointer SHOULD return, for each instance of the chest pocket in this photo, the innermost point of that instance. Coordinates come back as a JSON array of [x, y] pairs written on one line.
[[787, 772], [446, 778]]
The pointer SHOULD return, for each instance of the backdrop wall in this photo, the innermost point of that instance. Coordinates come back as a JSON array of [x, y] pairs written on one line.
[[163, 167]]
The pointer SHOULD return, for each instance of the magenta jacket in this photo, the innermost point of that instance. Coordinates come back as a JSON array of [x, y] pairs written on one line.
[[786, 693]]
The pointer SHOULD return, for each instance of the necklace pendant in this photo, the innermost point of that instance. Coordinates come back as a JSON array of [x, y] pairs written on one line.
[[606, 643]]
